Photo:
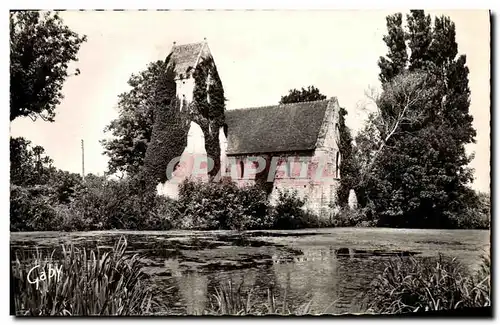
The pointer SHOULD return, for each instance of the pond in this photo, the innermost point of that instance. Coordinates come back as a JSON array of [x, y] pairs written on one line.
[[330, 268]]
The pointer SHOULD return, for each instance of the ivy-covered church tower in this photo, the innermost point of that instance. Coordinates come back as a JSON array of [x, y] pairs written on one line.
[[200, 91]]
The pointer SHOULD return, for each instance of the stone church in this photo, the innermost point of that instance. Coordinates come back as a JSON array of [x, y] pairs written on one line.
[[291, 146]]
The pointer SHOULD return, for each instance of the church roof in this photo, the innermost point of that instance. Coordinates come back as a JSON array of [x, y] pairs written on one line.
[[280, 128], [186, 56]]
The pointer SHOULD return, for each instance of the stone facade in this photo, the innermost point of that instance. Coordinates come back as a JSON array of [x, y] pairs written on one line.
[[319, 184]]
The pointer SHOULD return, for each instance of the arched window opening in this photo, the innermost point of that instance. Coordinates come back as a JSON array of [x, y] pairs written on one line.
[[337, 165], [242, 169], [337, 132], [288, 168]]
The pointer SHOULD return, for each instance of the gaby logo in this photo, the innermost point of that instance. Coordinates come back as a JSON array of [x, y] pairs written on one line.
[[35, 276]]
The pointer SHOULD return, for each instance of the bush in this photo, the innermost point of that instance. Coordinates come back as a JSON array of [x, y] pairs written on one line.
[[32, 208], [477, 215], [90, 284], [222, 206], [409, 285], [117, 204], [351, 218], [289, 212]]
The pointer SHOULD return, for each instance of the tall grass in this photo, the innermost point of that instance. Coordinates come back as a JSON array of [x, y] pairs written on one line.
[[91, 283], [410, 285], [229, 299]]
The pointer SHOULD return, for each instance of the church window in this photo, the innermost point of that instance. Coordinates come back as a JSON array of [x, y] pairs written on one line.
[[242, 168], [337, 165], [337, 133], [289, 168]]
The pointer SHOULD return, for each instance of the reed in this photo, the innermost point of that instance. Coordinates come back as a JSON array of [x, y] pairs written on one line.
[[230, 299], [91, 283], [411, 285]]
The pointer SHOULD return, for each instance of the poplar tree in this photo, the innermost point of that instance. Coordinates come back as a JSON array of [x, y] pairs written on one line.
[[421, 178]]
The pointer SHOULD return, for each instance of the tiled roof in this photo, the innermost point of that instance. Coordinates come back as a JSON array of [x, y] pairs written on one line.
[[185, 56], [280, 128]]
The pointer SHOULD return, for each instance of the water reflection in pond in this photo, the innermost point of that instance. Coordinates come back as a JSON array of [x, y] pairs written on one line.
[[332, 268]]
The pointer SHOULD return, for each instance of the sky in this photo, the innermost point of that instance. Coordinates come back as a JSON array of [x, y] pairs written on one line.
[[260, 55]]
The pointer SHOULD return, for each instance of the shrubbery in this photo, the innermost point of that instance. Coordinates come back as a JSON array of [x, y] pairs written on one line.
[[289, 212], [66, 202], [222, 206], [477, 215], [99, 204], [33, 208], [117, 204], [352, 218]]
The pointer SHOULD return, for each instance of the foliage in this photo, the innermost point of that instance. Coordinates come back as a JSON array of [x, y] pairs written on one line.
[[414, 164], [308, 94], [349, 166], [351, 218], [151, 114], [289, 213], [32, 208], [169, 136], [41, 47], [66, 185], [116, 204], [91, 283], [397, 57], [222, 206], [208, 107], [132, 130], [96, 204], [28, 164], [410, 285], [477, 214]]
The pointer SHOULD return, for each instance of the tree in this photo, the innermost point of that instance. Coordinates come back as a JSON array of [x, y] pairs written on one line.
[[349, 168], [66, 185], [304, 95], [131, 131], [28, 165], [397, 57], [41, 47], [413, 149]]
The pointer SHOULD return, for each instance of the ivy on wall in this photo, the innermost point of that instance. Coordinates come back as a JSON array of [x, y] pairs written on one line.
[[172, 120], [170, 130], [207, 108]]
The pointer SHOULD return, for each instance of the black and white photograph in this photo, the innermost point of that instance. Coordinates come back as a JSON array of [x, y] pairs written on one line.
[[250, 162]]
